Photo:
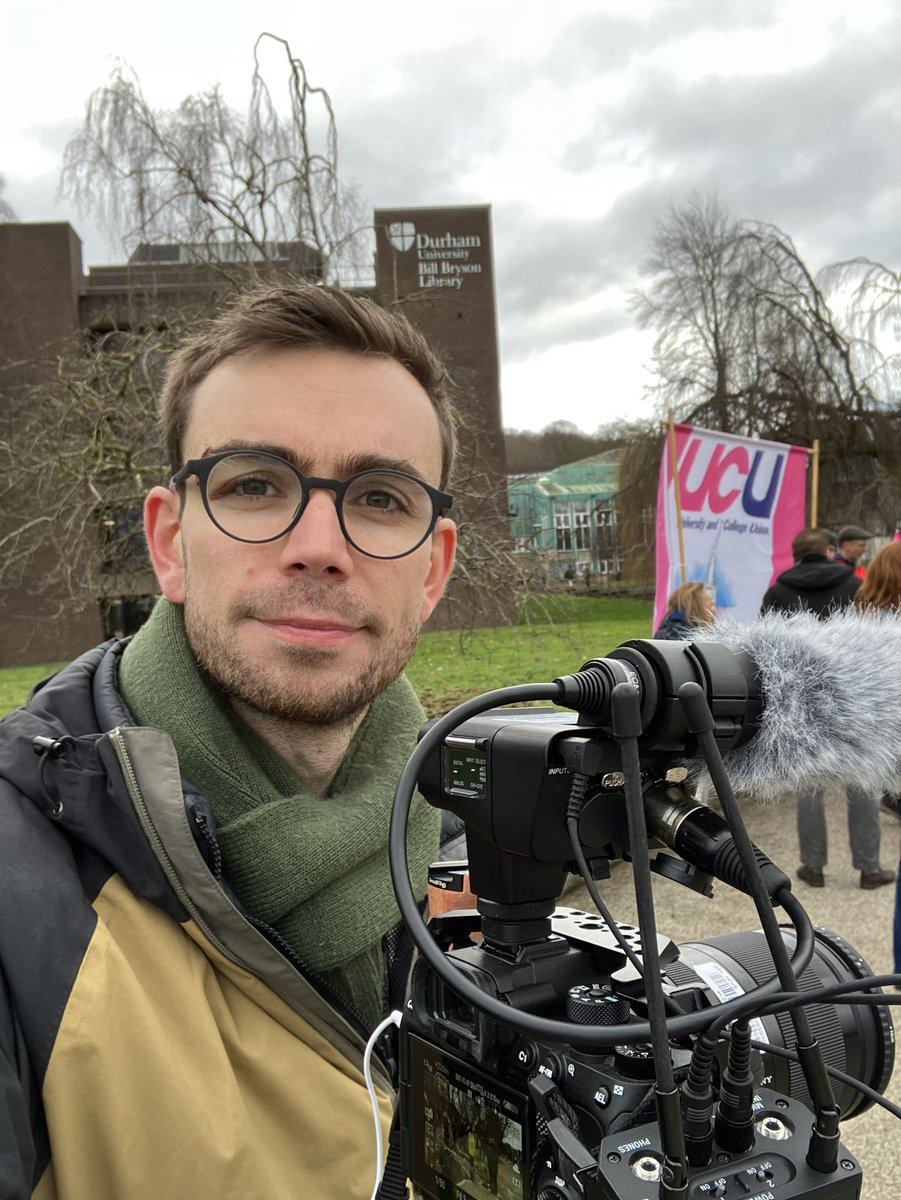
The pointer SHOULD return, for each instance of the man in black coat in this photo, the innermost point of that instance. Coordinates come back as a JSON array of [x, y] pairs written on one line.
[[813, 583], [820, 586]]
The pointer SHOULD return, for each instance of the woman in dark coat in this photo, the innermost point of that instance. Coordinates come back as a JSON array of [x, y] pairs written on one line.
[[688, 608]]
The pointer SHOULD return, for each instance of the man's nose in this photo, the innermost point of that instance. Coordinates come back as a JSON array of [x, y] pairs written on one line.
[[317, 542]]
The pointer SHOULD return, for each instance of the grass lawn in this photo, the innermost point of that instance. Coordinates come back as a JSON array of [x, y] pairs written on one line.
[[555, 635], [17, 682]]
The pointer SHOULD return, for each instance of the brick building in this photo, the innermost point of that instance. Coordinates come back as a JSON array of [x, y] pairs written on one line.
[[443, 278]]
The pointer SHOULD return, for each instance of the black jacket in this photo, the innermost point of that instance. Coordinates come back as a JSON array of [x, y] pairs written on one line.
[[156, 1041], [675, 628], [814, 584]]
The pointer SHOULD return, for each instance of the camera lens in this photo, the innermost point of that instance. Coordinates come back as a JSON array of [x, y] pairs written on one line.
[[854, 1038]]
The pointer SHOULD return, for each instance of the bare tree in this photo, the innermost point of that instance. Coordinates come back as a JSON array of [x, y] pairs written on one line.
[[869, 296], [229, 186], [239, 194], [7, 212], [83, 452], [747, 343]]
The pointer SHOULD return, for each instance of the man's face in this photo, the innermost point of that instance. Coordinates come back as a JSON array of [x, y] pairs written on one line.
[[853, 549], [306, 627]]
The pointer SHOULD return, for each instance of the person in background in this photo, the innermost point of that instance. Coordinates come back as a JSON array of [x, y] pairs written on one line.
[[880, 595], [832, 540], [814, 583], [852, 546], [688, 608]]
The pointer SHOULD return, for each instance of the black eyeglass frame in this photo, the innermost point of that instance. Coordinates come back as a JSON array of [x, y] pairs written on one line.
[[202, 468]]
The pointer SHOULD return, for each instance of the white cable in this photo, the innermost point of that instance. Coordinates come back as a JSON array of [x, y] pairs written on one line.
[[392, 1019]]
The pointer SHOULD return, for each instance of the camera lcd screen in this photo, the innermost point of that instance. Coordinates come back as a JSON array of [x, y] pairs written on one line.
[[469, 1132]]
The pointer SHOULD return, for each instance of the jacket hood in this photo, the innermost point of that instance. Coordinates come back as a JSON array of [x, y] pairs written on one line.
[[816, 575], [57, 752], [61, 708]]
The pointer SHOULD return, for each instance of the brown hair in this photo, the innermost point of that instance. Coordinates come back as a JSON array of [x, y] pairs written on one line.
[[695, 601], [809, 541], [302, 316], [882, 586]]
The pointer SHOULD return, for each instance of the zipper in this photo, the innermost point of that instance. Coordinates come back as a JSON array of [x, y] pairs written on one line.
[[212, 845], [284, 947], [340, 1038]]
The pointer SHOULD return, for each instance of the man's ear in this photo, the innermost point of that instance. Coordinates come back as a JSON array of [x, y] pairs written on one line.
[[441, 563], [162, 528]]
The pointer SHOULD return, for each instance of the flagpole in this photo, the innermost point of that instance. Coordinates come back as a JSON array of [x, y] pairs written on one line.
[[815, 484], [677, 491]]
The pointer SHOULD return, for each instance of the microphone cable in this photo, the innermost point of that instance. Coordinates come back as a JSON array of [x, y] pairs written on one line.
[[627, 728], [393, 1018], [822, 1153], [588, 1036]]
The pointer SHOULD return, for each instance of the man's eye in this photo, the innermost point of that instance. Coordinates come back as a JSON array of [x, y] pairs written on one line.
[[253, 487], [383, 501], [248, 486]]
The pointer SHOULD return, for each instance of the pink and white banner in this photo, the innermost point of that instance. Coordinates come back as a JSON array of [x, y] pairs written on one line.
[[742, 503]]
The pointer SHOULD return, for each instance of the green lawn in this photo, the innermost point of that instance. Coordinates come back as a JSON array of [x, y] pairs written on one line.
[[17, 682], [555, 635]]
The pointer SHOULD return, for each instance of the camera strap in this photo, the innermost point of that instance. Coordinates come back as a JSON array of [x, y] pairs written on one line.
[[394, 1177]]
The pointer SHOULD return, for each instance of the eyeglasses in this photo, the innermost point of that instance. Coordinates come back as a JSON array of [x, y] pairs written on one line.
[[257, 497]]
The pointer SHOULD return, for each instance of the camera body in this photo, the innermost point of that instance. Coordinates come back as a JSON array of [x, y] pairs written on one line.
[[487, 1111], [509, 1082]]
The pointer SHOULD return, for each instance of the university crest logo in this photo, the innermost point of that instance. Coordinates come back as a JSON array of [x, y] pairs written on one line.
[[401, 234]]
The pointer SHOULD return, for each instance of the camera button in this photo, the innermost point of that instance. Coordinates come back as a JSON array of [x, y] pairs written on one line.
[[526, 1056], [551, 1066]]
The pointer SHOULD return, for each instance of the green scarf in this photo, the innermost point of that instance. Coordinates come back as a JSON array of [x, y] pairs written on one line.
[[316, 870]]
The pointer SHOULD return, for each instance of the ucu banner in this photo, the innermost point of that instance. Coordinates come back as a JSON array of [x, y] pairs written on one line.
[[718, 478], [741, 502]]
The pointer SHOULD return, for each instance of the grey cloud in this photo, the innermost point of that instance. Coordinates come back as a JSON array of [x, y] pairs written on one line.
[[607, 42], [545, 262], [415, 145], [811, 149]]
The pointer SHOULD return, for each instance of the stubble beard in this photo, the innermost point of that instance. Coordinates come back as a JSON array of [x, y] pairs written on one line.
[[305, 689]]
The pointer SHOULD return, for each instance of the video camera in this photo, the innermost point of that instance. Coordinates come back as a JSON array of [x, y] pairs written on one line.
[[546, 1052]]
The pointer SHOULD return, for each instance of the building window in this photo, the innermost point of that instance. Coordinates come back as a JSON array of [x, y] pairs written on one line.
[[583, 527], [564, 529], [606, 516]]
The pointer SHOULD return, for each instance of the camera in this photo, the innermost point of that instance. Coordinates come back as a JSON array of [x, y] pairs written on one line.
[[549, 1052]]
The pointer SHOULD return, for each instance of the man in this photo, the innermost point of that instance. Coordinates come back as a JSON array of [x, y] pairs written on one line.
[[817, 585], [199, 931], [852, 546], [813, 583]]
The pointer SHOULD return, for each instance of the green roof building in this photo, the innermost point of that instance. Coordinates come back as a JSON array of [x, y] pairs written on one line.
[[568, 518]]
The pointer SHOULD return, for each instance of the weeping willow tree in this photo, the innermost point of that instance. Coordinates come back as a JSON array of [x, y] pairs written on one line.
[[750, 341], [228, 186]]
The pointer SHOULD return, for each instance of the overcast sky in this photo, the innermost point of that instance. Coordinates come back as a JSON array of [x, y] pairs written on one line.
[[581, 123]]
